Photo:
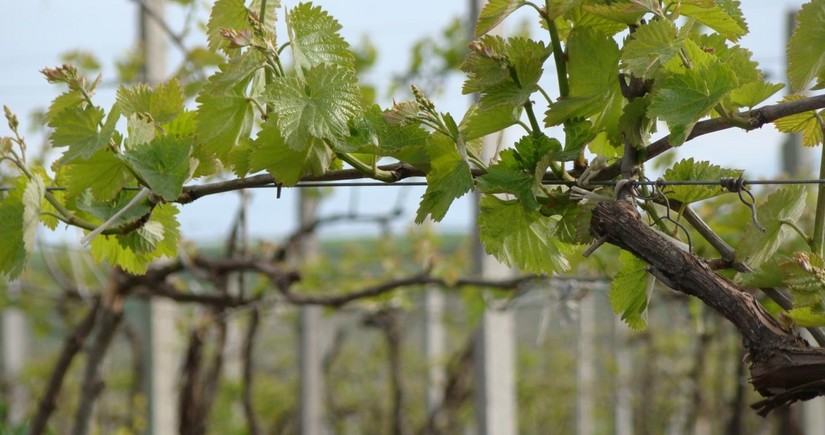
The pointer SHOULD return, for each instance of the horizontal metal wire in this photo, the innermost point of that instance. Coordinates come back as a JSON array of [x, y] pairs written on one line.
[[546, 182]]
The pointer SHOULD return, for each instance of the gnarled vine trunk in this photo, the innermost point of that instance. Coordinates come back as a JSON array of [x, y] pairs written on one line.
[[784, 368]]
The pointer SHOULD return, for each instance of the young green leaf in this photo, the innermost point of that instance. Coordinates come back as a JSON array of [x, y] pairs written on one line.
[[805, 279], [140, 129], [13, 248], [594, 89], [518, 237], [806, 48], [479, 122], [93, 210], [134, 252], [494, 12], [163, 103], [319, 106], [690, 169], [19, 216], [724, 16], [77, 128], [504, 72], [314, 38], [786, 204], [651, 45], [373, 134], [510, 176], [751, 94], [450, 178], [628, 291], [234, 75], [103, 173], [682, 98], [806, 123], [807, 317], [629, 13], [221, 121], [225, 112], [270, 151], [226, 14], [163, 164]]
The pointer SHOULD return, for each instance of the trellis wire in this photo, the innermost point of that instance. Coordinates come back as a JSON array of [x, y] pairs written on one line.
[[660, 182]]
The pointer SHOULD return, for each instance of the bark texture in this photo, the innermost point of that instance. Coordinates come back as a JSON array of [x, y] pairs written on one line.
[[784, 368]]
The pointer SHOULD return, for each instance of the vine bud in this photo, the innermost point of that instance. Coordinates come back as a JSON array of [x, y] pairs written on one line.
[[401, 113], [11, 118], [423, 101], [237, 39]]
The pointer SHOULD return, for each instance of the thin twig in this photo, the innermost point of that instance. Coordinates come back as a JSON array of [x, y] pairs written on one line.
[[248, 372], [71, 346]]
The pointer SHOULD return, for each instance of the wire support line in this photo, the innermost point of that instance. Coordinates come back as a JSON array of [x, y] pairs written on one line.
[[724, 182]]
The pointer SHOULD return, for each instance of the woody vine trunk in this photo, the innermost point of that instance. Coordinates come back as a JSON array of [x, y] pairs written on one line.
[[783, 366]]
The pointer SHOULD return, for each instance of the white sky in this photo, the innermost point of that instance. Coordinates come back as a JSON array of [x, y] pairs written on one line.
[[35, 32]]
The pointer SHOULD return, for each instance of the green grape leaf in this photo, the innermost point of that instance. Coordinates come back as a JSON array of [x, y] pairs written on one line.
[[225, 112], [319, 107], [738, 59], [314, 38], [238, 157], [12, 231], [558, 8], [270, 151], [134, 252], [77, 128], [573, 225], [103, 173], [805, 279], [32, 200], [682, 98], [805, 123], [806, 317], [449, 179], [94, 209], [183, 125], [509, 175], [786, 204], [518, 237], [751, 94], [221, 121], [19, 217], [271, 12], [806, 48], [480, 122], [140, 129], [690, 169], [234, 75], [623, 12], [651, 45], [163, 103], [578, 132], [594, 89], [226, 14], [102, 140], [163, 164], [494, 12], [580, 17], [504, 72], [724, 16], [373, 134], [48, 214], [628, 291], [769, 274], [71, 98]]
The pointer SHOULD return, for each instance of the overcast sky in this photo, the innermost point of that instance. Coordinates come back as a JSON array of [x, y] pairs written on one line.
[[35, 32]]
